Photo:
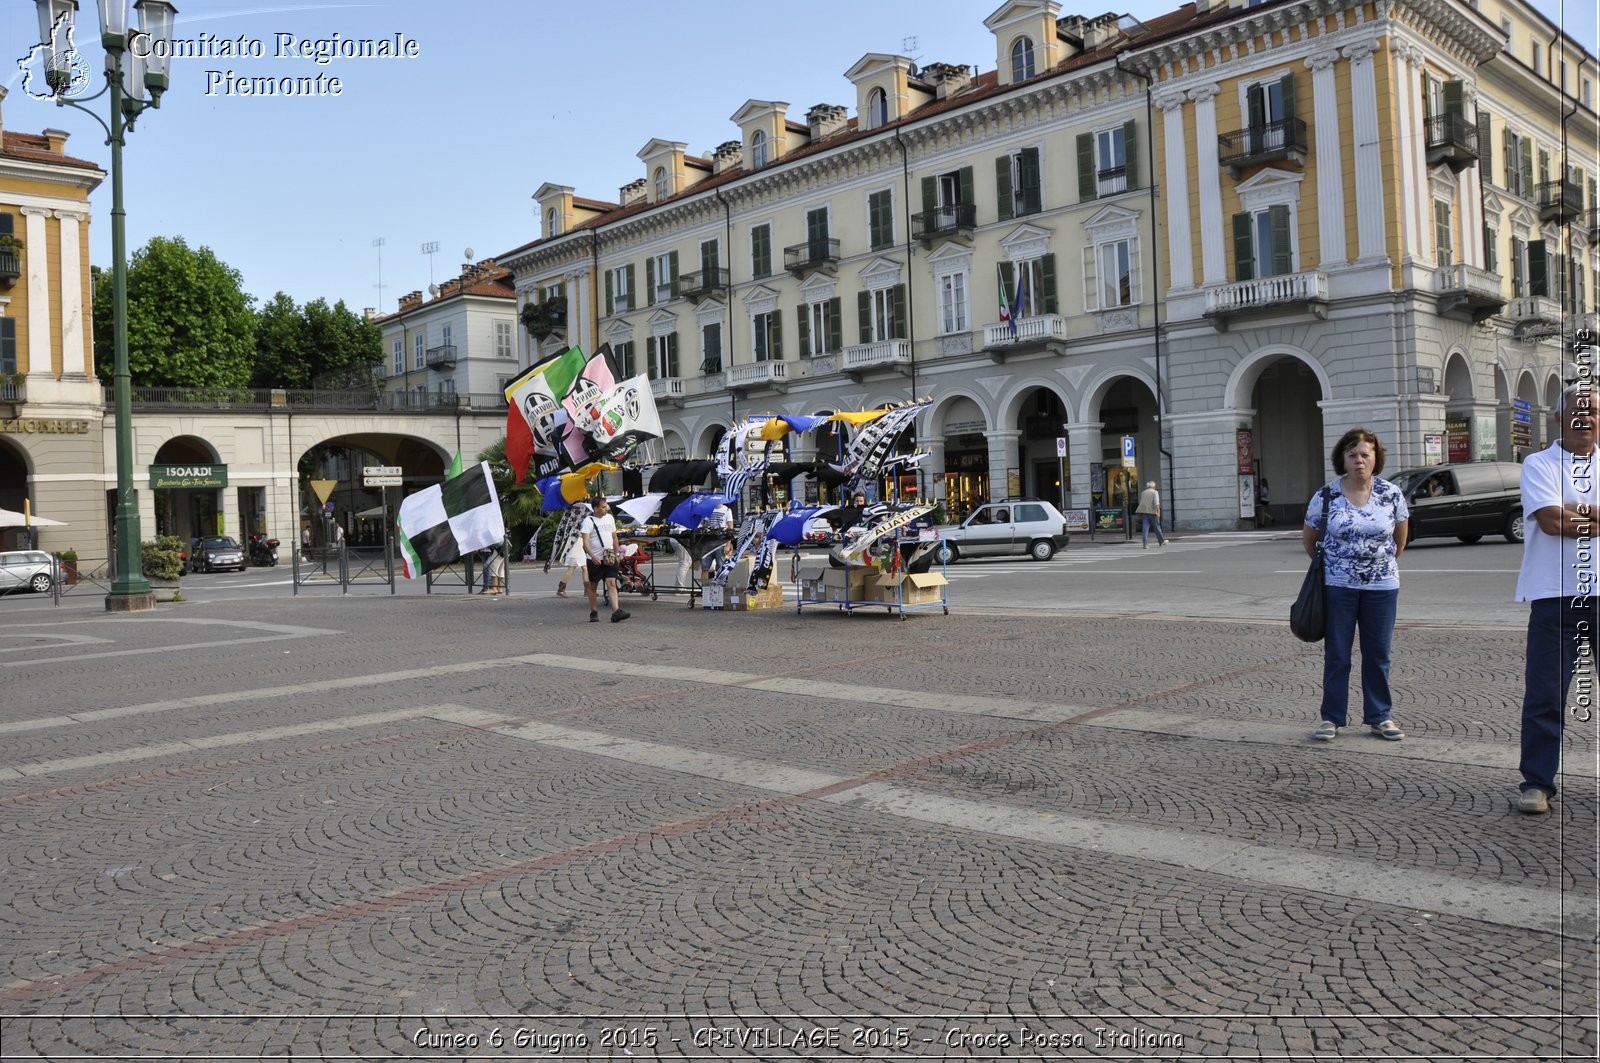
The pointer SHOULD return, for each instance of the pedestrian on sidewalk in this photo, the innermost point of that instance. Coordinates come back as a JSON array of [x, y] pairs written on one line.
[[1560, 497], [1149, 512], [577, 565], [601, 545], [1363, 532]]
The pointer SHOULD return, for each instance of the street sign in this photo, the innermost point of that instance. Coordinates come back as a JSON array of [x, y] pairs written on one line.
[[381, 476], [1061, 446], [323, 488], [1128, 453]]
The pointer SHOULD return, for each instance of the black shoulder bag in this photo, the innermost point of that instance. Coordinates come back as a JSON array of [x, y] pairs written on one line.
[[1308, 616]]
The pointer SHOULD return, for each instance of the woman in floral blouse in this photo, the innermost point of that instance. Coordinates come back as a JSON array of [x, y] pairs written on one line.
[[1366, 534]]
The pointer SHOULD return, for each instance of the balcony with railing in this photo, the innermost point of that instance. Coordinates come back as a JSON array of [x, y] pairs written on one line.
[[1285, 291], [885, 354], [770, 375], [10, 267], [1111, 181], [953, 219], [668, 390], [1529, 310], [1030, 332], [11, 388], [1452, 140], [1464, 288], [442, 356], [546, 317], [1270, 142], [704, 283], [1559, 201], [820, 254], [308, 401]]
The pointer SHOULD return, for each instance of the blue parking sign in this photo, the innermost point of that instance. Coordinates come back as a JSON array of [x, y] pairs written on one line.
[[1127, 452]]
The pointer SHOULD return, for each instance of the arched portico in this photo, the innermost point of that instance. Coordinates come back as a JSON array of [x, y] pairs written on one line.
[[1122, 403]]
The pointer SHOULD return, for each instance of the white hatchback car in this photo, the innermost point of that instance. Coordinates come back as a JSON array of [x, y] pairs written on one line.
[[1029, 526], [27, 569]]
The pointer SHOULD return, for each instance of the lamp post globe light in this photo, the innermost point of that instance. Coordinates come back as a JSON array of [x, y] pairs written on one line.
[[136, 62]]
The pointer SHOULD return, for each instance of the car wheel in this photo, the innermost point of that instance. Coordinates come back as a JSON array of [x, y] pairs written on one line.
[[1042, 550], [948, 553], [1469, 538], [1513, 530], [40, 583]]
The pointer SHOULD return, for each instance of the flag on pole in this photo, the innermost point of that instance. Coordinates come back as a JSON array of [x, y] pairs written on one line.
[[439, 525], [1005, 303], [570, 410], [455, 467], [1019, 297]]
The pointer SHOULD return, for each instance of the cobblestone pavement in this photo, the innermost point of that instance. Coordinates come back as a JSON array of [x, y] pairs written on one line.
[[446, 827]]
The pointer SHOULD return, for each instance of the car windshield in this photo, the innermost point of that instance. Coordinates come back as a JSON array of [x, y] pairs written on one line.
[[223, 543]]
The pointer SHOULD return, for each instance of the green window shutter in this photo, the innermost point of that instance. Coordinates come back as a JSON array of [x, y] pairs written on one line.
[[1544, 167], [1441, 235], [1454, 98], [874, 224], [8, 344], [708, 262], [864, 316], [930, 195], [1002, 184], [776, 345], [1028, 171], [1130, 151], [898, 311], [672, 264], [1086, 175], [1256, 106], [760, 251], [632, 288], [1485, 145], [817, 231], [835, 324], [1288, 96], [7, 224], [1510, 145], [672, 354], [711, 339], [1518, 250], [1282, 260], [1427, 96], [1538, 266], [1489, 258], [651, 358], [1047, 281], [1244, 258], [1527, 168], [803, 329], [1007, 283], [650, 281], [968, 197], [611, 293]]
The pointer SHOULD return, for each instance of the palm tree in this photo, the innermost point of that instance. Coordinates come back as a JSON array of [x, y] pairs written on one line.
[[521, 504]]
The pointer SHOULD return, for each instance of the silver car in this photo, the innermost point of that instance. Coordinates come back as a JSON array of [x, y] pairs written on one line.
[[1028, 526], [29, 569]]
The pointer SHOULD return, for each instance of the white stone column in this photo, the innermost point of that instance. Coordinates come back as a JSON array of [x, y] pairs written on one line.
[[36, 256], [1371, 228], [75, 359], [1083, 450], [1471, 193], [932, 476], [1330, 165], [1213, 248], [1410, 134], [1002, 452], [1180, 256]]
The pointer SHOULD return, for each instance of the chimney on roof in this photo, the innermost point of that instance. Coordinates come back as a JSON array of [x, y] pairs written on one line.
[[948, 79], [633, 192], [369, 312], [410, 301], [57, 139], [728, 156], [1099, 32], [826, 119]]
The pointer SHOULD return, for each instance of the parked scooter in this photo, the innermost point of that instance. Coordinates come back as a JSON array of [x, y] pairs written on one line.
[[263, 551]]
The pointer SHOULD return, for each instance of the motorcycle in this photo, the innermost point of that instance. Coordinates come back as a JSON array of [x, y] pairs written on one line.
[[263, 551]]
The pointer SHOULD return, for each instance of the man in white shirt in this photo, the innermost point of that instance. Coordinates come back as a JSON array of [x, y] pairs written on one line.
[[719, 519], [1560, 501], [600, 535]]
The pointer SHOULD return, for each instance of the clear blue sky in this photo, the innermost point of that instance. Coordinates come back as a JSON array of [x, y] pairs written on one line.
[[449, 146]]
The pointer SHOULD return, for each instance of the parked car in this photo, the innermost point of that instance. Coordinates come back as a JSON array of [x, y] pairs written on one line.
[[215, 553], [26, 569], [1468, 501], [1029, 526]]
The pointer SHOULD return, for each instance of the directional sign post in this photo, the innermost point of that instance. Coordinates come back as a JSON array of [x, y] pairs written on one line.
[[381, 476], [1521, 422]]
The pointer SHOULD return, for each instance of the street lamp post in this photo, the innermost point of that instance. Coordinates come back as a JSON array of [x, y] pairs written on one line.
[[136, 61]]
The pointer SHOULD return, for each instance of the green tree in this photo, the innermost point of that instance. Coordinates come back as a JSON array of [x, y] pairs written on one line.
[[189, 322], [520, 504], [282, 357], [340, 338]]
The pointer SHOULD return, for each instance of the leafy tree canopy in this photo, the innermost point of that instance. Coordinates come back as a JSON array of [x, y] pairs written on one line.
[[296, 346]]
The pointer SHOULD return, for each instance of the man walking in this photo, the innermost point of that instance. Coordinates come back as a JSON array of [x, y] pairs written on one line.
[[601, 545], [1150, 515], [1560, 497]]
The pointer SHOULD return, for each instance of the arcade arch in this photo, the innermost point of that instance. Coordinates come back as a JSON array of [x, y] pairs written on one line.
[[959, 425], [1283, 390], [1124, 404], [338, 462], [13, 489]]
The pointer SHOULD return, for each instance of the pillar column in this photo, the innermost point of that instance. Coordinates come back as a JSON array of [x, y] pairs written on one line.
[[36, 257], [1213, 249], [1417, 237], [1002, 452], [1371, 225], [1180, 259], [75, 358], [1083, 450], [933, 469], [1330, 168]]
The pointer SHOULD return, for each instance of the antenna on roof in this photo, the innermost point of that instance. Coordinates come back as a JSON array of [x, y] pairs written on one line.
[[429, 249], [378, 243]]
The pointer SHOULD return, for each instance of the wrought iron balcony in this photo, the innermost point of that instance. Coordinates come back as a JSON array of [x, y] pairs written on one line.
[[11, 389], [703, 284], [954, 219], [812, 255], [885, 354], [1476, 291], [1452, 140], [10, 268], [1111, 181], [1287, 290], [770, 375], [442, 356], [1560, 201], [1285, 139], [1038, 331]]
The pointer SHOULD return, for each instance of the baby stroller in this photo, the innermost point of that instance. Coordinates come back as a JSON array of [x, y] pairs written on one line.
[[631, 575]]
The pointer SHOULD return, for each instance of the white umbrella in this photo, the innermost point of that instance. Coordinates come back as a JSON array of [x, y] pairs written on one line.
[[11, 519], [375, 511]]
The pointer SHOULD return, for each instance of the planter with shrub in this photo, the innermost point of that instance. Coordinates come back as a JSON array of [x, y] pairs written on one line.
[[163, 565]]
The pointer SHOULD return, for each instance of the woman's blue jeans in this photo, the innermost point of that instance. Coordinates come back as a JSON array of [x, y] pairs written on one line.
[[1373, 612]]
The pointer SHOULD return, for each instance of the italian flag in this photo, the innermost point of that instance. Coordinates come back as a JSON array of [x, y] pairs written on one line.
[[438, 525]]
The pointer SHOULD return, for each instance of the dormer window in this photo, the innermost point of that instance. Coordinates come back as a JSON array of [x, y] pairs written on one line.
[[1022, 59], [758, 150], [550, 222], [661, 183], [877, 109]]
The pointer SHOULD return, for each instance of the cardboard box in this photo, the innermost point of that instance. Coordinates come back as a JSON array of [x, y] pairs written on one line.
[[769, 597], [713, 597], [852, 579], [923, 588], [811, 585]]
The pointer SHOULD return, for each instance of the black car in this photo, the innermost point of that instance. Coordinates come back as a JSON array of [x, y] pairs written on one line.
[[217, 553], [1468, 501]]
